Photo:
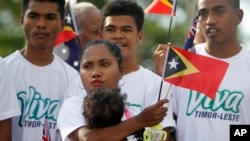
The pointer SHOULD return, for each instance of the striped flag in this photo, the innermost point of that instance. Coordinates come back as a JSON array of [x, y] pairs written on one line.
[[69, 31], [46, 135], [66, 46], [189, 43]]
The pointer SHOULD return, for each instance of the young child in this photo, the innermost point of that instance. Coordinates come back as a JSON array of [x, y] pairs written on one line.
[[103, 107]]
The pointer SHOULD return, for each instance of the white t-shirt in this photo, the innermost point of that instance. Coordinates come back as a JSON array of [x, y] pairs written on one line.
[[142, 89], [202, 119], [75, 88], [40, 91], [9, 106]]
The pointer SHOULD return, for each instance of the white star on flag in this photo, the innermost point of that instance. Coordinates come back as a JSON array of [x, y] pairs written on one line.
[[68, 18], [173, 64]]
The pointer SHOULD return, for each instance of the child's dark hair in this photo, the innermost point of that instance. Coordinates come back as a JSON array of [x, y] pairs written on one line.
[[60, 3], [112, 47], [123, 8], [103, 107]]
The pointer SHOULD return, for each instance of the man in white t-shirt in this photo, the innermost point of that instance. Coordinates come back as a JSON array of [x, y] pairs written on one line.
[[199, 118], [40, 78], [121, 23], [8, 103]]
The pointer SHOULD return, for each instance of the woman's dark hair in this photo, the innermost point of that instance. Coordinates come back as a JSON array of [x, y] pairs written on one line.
[[60, 3], [123, 8], [113, 48]]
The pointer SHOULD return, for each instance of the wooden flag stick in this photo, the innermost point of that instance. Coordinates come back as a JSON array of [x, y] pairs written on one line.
[[169, 87]]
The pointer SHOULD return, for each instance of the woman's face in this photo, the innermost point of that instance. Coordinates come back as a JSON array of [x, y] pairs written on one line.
[[99, 68]]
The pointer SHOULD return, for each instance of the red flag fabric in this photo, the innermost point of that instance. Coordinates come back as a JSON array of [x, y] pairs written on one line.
[[193, 71], [66, 35], [161, 7], [69, 31], [46, 135]]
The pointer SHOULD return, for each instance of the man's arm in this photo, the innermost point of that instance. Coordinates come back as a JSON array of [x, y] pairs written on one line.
[[5, 130], [150, 116]]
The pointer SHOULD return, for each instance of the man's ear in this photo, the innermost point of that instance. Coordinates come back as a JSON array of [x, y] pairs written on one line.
[[140, 37], [239, 14], [63, 23], [21, 19], [99, 33]]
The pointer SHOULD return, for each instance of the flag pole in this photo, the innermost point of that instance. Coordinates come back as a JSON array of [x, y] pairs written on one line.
[[168, 36], [163, 73], [74, 25]]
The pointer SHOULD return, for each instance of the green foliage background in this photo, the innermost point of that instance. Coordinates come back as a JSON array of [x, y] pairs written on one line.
[[11, 35]]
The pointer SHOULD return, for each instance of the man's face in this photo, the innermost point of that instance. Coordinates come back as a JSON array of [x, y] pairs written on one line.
[[122, 30], [91, 28], [41, 24], [218, 20]]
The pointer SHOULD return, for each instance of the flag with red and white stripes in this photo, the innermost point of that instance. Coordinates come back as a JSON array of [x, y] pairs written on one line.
[[46, 135]]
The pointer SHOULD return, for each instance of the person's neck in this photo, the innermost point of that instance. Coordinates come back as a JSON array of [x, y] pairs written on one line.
[[223, 50], [37, 57], [130, 66]]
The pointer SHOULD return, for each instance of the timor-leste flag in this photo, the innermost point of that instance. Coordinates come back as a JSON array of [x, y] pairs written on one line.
[[69, 31], [193, 71], [161, 7]]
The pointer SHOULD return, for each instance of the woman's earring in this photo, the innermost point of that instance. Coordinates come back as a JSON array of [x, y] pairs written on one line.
[[121, 82], [80, 85]]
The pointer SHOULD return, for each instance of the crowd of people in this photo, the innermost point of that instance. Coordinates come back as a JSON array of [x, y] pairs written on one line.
[[112, 96]]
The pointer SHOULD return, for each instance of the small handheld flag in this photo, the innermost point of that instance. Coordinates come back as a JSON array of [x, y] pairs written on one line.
[[46, 134], [193, 71]]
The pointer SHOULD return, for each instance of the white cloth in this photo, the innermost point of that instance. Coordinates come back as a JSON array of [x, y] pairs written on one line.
[[202, 119], [9, 106], [142, 89], [40, 91], [76, 88]]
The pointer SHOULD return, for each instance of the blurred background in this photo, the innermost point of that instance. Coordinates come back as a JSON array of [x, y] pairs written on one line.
[[156, 27]]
